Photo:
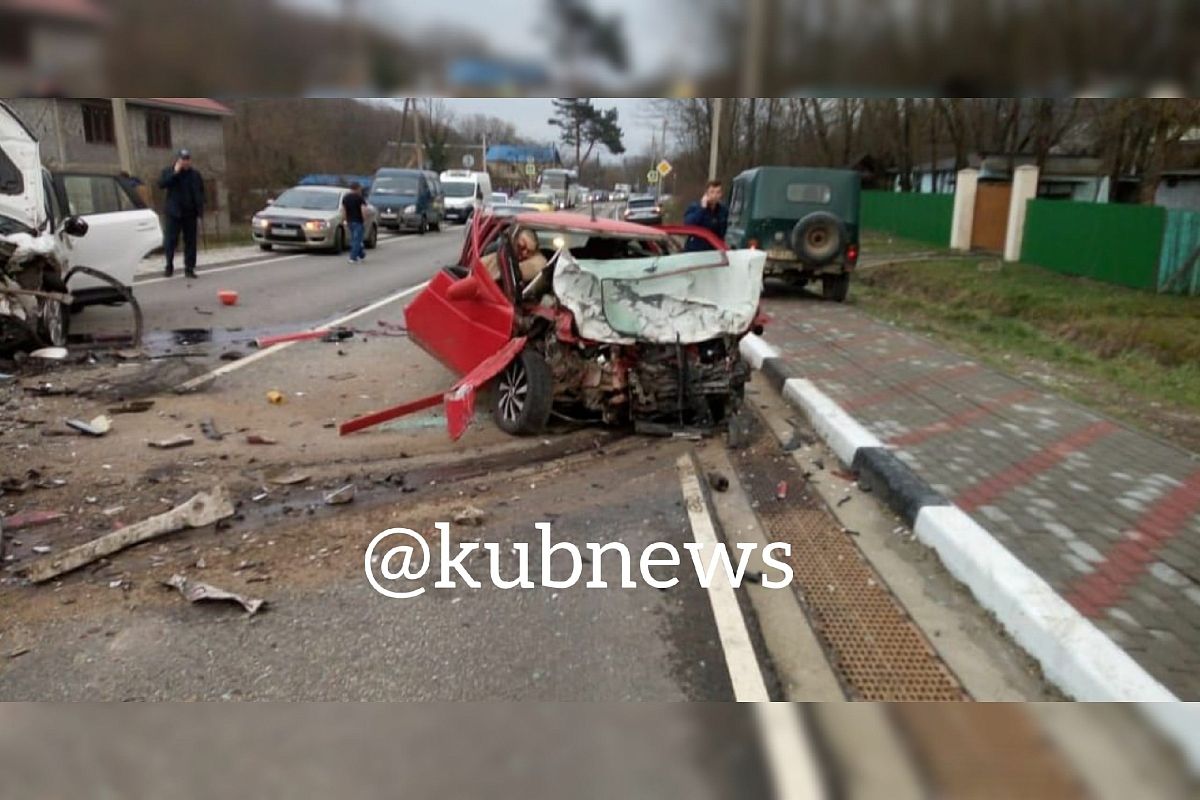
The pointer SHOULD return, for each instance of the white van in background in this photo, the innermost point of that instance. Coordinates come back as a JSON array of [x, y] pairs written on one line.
[[466, 192]]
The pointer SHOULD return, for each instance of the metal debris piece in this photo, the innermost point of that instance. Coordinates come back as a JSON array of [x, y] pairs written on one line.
[[32, 519], [781, 490], [340, 496], [203, 509], [843, 501], [209, 429], [182, 440], [97, 427], [50, 353], [41, 549], [254, 438], [718, 481], [289, 478], [132, 407], [469, 515], [275, 397], [195, 592]]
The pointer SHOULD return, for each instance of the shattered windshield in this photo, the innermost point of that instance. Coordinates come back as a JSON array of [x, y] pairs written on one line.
[[309, 200]]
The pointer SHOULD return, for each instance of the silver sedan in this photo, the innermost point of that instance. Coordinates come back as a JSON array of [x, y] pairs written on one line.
[[310, 217]]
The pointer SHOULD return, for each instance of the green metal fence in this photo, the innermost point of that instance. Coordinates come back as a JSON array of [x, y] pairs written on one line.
[[1115, 243], [923, 217], [1179, 266]]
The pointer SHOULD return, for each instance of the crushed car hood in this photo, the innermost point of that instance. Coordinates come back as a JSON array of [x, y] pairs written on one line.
[[21, 194], [687, 297]]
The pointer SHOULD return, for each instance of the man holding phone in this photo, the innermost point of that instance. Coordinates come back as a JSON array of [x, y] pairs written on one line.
[[183, 208], [708, 212]]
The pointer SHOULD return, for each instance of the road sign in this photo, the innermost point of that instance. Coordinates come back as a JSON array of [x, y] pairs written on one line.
[[469, 161], [664, 168], [652, 176], [530, 169]]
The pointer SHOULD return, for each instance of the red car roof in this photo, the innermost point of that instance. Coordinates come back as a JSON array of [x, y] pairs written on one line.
[[584, 222]]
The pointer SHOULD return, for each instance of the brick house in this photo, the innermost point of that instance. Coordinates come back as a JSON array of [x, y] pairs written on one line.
[[82, 135]]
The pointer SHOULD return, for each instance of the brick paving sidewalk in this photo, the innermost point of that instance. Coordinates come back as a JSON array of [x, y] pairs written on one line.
[[1108, 516]]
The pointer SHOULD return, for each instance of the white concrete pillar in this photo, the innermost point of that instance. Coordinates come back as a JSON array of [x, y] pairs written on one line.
[[963, 221], [1024, 189]]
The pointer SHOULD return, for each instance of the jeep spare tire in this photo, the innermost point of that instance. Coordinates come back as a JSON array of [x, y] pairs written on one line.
[[818, 238]]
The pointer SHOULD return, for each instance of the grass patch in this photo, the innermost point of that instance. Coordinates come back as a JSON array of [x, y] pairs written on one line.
[[1146, 345]]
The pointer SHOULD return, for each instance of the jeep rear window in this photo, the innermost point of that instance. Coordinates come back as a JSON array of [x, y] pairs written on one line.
[[809, 193]]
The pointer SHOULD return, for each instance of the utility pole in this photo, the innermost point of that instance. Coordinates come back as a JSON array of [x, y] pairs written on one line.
[[121, 129], [417, 134], [714, 138], [483, 150]]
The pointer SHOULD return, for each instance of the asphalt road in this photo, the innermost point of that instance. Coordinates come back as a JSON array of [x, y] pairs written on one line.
[[279, 292]]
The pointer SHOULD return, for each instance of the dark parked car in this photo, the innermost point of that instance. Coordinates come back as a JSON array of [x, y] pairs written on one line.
[[805, 219]]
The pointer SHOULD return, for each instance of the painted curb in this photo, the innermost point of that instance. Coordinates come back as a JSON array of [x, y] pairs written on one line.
[[1074, 654]]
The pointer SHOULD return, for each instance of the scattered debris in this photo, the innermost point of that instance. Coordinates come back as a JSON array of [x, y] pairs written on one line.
[[97, 427], [231, 355], [32, 519], [41, 549], [132, 407], [209, 429], [340, 496], [228, 297], [203, 509], [843, 501], [275, 397], [20, 651], [818, 463], [289, 478], [844, 475], [195, 592], [254, 438], [50, 353], [718, 481], [781, 490], [864, 486], [181, 440], [469, 515], [203, 311]]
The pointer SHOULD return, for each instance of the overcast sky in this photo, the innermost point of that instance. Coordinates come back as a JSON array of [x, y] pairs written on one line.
[[530, 114]]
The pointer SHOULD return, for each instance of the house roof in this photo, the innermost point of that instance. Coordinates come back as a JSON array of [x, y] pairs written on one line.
[[519, 153], [86, 11], [194, 105]]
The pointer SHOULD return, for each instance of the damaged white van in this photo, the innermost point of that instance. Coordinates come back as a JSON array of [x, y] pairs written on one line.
[[65, 241]]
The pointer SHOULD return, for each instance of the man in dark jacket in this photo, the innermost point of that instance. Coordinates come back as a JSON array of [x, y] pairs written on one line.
[[708, 212], [182, 210]]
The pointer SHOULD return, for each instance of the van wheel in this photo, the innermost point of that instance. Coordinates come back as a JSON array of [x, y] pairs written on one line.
[[835, 287], [437, 226], [54, 318], [373, 239], [266, 247], [523, 395], [423, 227]]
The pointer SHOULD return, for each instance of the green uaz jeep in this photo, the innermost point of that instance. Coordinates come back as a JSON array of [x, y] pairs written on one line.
[[805, 219]]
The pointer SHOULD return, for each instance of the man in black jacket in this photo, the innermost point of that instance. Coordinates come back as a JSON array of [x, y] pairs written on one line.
[[183, 208]]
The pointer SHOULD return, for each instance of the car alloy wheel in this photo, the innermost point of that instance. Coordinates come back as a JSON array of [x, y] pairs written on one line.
[[523, 395]]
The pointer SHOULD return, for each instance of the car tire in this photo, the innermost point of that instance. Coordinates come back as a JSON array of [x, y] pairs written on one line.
[[373, 239], [266, 247], [339, 242], [423, 226], [54, 318], [818, 238], [835, 287], [522, 395]]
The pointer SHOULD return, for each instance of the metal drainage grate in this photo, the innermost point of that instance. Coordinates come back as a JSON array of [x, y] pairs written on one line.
[[876, 650]]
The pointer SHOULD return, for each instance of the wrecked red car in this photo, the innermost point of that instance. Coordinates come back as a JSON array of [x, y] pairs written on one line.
[[620, 325]]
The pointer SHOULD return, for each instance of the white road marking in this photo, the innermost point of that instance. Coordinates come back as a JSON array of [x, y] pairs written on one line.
[[740, 657], [258, 263], [791, 757], [225, 369]]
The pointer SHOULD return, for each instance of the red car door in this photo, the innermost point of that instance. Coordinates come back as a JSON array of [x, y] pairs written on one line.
[[463, 317]]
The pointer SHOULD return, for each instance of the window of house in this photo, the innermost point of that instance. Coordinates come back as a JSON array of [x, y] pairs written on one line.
[[158, 129], [98, 123]]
